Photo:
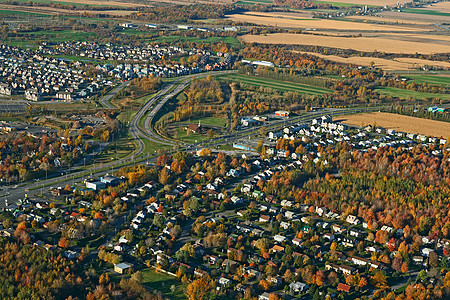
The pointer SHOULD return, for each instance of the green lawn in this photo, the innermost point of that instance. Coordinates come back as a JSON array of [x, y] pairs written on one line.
[[400, 93], [277, 84], [442, 80], [425, 12], [191, 137], [163, 282], [209, 121], [63, 35]]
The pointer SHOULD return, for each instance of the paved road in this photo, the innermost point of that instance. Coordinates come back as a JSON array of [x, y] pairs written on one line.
[[105, 99]]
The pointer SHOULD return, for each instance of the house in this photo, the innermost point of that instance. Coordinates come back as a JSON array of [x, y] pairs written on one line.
[[264, 218], [342, 287], [285, 225], [352, 220], [264, 296], [298, 287], [296, 241], [328, 236], [224, 281], [236, 200], [418, 260], [279, 238], [426, 252], [194, 128], [67, 96], [277, 249], [122, 268]]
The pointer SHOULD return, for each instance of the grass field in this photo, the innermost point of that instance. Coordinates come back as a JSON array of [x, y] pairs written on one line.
[[401, 93], [163, 282], [441, 80], [425, 12], [277, 85], [400, 122], [18, 12]]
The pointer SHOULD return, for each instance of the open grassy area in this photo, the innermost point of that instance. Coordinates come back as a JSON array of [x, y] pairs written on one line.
[[191, 137], [66, 3], [425, 12], [208, 121], [120, 148], [442, 80], [163, 282], [277, 84], [18, 12], [400, 93]]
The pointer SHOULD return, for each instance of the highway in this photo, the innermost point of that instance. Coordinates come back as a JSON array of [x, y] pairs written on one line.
[[105, 99], [153, 106]]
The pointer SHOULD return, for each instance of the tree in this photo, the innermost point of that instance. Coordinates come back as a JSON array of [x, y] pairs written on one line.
[[199, 288], [64, 242], [379, 280]]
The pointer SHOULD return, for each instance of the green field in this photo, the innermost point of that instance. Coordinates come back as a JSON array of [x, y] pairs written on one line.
[[163, 282], [17, 12], [208, 121], [65, 3], [210, 40], [442, 80], [277, 84], [400, 93], [425, 12]]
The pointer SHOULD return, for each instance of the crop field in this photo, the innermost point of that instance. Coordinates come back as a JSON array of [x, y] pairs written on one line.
[[425, 12], [290, 21], [401, 93], [381, 19], [366, 44], [88, 3], [368, 2], [400, 123], [414, 17], [385, 64], [277, 85], [433, 79]]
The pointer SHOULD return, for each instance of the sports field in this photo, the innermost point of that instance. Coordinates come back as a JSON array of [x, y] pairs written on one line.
[[400, 122], [404, 94], [277, 84]]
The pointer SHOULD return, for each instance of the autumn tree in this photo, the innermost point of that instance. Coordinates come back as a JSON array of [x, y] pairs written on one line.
[[199, 288]]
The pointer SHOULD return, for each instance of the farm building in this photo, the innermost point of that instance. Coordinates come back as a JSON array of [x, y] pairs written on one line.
[[282, 113]]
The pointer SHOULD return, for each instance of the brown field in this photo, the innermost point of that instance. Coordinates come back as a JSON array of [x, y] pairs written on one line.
[[367, 44], [270, 19], [102, 2], [389, 20], [399, 64], [370, 2], [441, 6], [414, 17], [400, 123]]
